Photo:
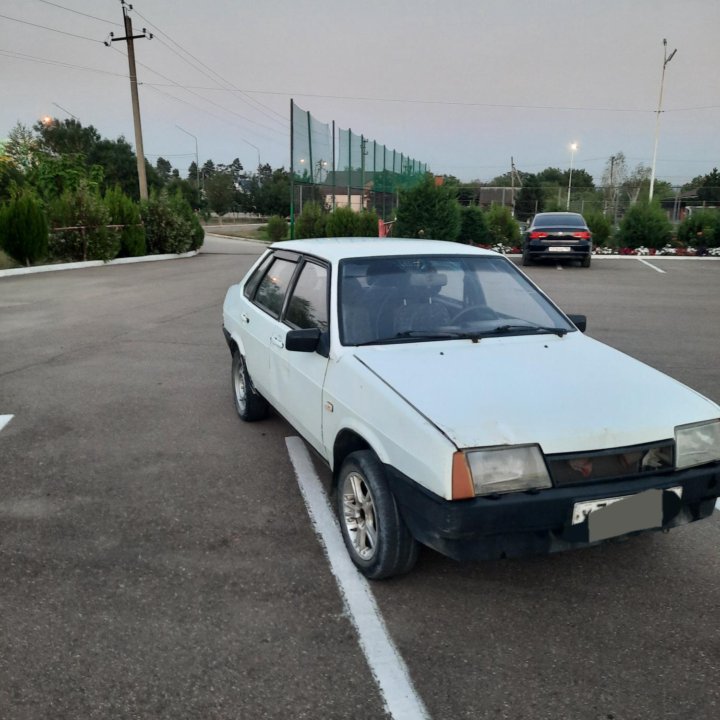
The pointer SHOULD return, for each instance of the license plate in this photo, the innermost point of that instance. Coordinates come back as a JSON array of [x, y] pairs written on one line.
[[611, 517], [559, 249]]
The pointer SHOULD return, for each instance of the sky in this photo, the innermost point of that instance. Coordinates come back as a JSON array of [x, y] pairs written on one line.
[[463, 85]]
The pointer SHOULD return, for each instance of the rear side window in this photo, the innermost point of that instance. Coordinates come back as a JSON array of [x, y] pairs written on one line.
[[273, 286], [308, 306]]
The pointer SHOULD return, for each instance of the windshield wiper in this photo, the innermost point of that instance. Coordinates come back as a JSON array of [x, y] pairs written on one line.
[[535, 329], [419, 335]]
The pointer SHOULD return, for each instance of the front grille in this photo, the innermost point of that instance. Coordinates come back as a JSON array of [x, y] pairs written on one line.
[[599, 465]]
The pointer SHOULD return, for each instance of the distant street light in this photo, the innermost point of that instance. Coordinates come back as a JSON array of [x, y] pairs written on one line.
[[573, 148], [197, 161], [67, 112], [256, 148], [666, 59]]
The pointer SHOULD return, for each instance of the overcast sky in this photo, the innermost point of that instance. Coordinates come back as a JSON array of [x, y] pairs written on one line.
[[460, 84]]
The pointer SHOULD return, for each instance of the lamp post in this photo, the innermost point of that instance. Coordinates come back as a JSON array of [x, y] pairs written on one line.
[[197, 161], [573, 148], [256, 148], [666, 59]]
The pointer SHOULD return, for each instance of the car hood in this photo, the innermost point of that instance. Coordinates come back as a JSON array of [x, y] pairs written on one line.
[[569, 394]]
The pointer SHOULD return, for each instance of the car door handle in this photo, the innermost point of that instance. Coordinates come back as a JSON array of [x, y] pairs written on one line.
[[244, 318], [277, 341]]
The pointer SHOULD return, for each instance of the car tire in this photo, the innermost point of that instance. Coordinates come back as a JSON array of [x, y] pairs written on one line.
[[376, 537], [585, 262], [250, 405], [526, 259]]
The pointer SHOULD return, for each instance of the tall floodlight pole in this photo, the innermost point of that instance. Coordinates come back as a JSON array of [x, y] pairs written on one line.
[[666, 59], [573, 148], [197, 161]]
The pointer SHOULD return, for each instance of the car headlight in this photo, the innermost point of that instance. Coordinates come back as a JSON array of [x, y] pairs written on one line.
[[499, 470], [697, 444]]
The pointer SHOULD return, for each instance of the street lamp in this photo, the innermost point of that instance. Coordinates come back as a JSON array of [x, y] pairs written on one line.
[[666, 59], [197, 161], [247, 142], [573, 148]]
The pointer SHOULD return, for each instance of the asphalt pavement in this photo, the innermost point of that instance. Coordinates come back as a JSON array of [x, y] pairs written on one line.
[[157, 559]]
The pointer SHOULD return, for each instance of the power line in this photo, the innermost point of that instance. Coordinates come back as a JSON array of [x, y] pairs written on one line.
[[77, 12], [45, 27], [207, 67], [59, 63]]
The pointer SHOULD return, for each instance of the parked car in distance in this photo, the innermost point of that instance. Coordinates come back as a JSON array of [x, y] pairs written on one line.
[[453, 402], [557, 236]]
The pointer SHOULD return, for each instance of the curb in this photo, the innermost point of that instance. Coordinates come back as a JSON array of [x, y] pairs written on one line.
[[94, 263]]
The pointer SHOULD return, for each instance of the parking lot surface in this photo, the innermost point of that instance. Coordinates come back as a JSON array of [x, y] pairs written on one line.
[[157, 559]]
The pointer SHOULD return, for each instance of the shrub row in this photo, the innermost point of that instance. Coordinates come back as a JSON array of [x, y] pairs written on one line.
[[83, 225]]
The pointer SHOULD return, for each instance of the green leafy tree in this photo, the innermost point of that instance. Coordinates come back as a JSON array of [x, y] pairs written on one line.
[[22, 147], [123, 211], [599, 225], [269, 191], [220, 192], [645, 225], [119, 164], [277, 228], [473, 227], [79, 219], [531, 199], [311, 222], [171, 226], [24, 228], [342, 222], [163, 168], [67, 137], [502, 226], [701, 229], [367, 223], [709, 190], [11, 178], [428, 211]]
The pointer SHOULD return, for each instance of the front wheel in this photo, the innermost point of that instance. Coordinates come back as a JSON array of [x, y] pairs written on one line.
[[250, 405], [375, 535]]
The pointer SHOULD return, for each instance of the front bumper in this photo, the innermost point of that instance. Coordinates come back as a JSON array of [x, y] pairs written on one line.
[[540, 522]]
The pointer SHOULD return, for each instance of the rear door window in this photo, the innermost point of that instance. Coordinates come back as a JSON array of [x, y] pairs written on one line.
[[273, 287]]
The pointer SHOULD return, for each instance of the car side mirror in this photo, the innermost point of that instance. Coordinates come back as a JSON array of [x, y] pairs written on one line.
[[579, 321], [303, 340]]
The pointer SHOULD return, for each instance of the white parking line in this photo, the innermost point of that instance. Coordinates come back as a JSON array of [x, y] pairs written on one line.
[[650, 265], [386, 664], [4, 420]]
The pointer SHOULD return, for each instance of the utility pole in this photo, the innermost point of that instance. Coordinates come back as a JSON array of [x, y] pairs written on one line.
[[129, 37], [666, 59]]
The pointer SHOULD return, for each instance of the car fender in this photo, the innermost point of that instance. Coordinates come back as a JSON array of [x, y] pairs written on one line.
[[234, 301]]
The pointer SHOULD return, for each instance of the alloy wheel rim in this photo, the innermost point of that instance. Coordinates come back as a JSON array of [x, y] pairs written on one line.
[[239, 385], [359, 516]]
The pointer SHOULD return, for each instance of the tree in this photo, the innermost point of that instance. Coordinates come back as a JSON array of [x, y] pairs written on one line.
[[164, 169], [428, 211], [269, 191], [22, 147], [311, 222], [342, 222], [709, 190], [220, 192], [473, 226], [24, 228], [123, 211], [502, 226], [531, 199], [599, 225], [119, 164], [67, 137], [645, 225]]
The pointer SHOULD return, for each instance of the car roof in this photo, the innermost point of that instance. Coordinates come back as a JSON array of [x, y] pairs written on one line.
[[336, 249]]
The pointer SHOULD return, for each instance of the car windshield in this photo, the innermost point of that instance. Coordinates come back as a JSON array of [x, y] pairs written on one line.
[[559, 219], [435, 298]]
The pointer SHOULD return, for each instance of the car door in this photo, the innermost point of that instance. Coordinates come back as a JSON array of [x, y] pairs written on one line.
[[260, 320], [297, 378]]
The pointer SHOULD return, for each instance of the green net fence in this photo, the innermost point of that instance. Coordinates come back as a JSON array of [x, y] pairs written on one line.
[[347, 170]]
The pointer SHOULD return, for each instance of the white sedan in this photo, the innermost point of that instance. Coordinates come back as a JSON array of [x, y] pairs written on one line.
[[458, 407]]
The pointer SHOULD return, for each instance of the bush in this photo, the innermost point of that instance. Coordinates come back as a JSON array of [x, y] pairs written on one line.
[[123, 211], [344, 222], [428, 211], [645, 225], [277, 228], [701, 229], [83, 211], [473, 227], [502, 226], [170, 224], [599, 225], [24, 229], [367, 224], [311, 223]]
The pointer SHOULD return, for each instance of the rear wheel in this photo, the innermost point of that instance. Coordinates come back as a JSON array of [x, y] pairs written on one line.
[[250, 405], [526, 259], [585, 261], [375, 535]]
